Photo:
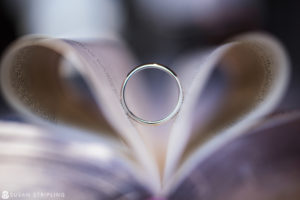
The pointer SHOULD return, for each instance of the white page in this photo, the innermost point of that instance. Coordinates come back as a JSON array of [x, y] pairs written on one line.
[[102, 64], [36, 160], [257, 70]]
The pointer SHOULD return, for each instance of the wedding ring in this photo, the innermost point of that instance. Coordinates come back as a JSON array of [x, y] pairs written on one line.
[[170, 73]]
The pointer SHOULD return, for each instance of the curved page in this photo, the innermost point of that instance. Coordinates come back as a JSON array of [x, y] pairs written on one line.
[[38, 80], [256, 71], [262, 164], [37, 164]]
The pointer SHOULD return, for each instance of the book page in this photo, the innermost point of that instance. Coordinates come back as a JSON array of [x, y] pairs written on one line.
[[262, 164], [42, 163], [32, 80], [40, 79], [254, 71], [37, 79]]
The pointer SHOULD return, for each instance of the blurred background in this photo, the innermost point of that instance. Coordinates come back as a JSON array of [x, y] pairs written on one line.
[[156, 31]]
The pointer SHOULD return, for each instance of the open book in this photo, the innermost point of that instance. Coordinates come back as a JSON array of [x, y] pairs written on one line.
[[82, 145]]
